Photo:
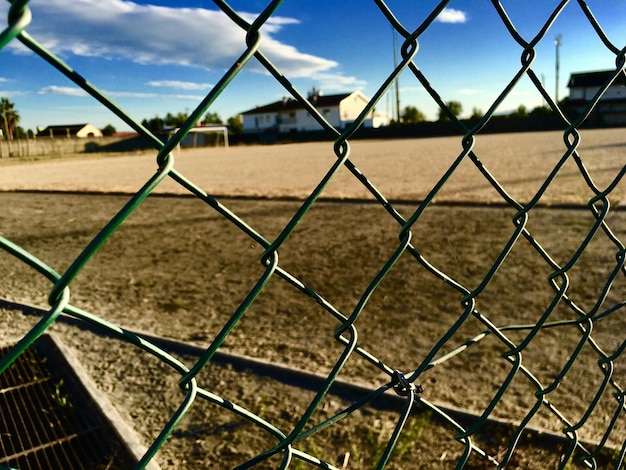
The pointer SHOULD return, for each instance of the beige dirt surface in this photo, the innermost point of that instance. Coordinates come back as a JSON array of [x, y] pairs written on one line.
[[401, 169], [178, 269]]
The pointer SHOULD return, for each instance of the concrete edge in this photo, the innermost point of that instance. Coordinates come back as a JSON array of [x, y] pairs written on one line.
[[617, 206], [306, 379]]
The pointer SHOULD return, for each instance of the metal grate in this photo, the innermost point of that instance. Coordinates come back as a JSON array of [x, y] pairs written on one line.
[[47, 421]]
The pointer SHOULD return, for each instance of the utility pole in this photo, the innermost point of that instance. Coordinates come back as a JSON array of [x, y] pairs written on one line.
[[557, 43], [395, 65]]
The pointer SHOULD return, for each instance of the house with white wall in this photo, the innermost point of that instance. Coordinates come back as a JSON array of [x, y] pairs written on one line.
[[288, 115], [611, 109], [70, 130]]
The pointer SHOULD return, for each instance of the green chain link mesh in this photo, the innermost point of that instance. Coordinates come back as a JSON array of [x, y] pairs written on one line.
[[405, 384]]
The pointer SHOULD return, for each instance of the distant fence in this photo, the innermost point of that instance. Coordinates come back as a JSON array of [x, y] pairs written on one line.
[[513, 339], [51, 146], [40, 146]]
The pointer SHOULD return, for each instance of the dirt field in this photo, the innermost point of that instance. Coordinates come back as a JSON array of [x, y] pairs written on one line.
[[401, 169], [177, 269]]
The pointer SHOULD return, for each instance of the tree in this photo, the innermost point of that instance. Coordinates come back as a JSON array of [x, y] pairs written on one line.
[[176, 120], [455, 107], [541, 111], [9, 119], [477, 114], [155, 125], [20, 133], [212, 118], [108, 130], [412, 115], [520, 112], [235, 124]]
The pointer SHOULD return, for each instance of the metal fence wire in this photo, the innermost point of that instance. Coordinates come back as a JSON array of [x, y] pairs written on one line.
[[515, 339]]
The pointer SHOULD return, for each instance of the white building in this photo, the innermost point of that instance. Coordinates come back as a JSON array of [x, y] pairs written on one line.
[[583, 86], [288, 115], [611, 109], [70, 130]]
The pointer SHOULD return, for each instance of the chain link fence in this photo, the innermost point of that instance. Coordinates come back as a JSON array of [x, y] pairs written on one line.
[[514, 339]]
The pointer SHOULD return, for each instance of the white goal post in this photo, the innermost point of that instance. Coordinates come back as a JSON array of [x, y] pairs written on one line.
[[191, 139]]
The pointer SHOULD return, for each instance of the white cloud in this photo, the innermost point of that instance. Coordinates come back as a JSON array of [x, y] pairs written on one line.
[[450, 15], [152, 34], [336, 82], [180, 85], [468, 91], [73, 91], [412, 89], [62, 90], [11, 93], [140, 95], [130, 94]]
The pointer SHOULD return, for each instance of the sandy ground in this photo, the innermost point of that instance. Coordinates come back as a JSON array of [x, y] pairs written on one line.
[[401, 169], [176, 268]]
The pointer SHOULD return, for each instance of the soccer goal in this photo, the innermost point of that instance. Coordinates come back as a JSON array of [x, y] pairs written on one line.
[[208, 135]]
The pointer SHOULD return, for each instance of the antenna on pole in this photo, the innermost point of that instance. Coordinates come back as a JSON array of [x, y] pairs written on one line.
[[557, 43]]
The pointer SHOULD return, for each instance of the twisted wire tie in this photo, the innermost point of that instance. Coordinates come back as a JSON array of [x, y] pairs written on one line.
[[402, 386]]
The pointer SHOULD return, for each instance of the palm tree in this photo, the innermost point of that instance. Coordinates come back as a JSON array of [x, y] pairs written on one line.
[[10, 120]]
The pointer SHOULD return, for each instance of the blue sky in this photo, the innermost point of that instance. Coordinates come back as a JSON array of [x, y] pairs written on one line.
[[158, 56]]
